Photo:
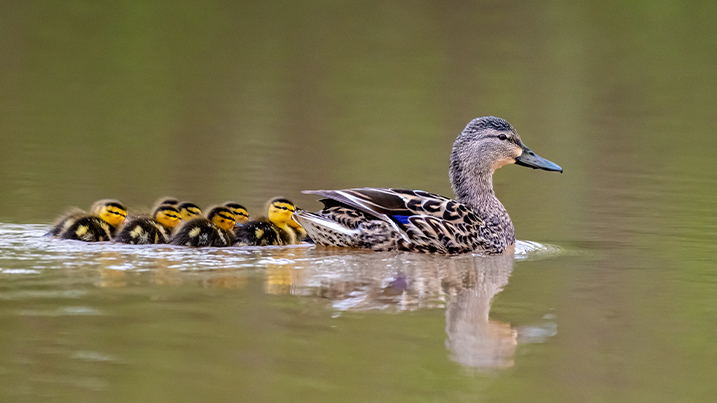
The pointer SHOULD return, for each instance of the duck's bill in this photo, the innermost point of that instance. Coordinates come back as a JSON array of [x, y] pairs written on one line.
[[533, 160]]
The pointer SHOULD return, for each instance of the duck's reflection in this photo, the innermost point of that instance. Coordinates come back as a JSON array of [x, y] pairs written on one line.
[[464, 285], [473, 339]]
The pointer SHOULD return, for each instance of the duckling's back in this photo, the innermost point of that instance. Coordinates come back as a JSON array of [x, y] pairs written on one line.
[[200, 232], [65, 222], [258, 233], [143, 231], [89, 229]]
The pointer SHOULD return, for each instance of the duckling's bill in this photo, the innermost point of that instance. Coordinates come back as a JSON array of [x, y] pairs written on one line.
[[530, 159]]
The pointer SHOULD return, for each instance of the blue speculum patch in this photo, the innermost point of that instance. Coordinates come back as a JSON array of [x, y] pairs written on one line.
[[403, 219]]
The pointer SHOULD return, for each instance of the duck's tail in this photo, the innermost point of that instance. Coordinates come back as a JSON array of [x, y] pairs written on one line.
[[324, 231]]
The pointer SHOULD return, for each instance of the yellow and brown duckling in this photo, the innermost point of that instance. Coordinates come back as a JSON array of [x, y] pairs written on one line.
[[241, 214], [166, 201], [143, 213], [215, 230], [189, 211], [275, 229], [144, 230], [65, 221], [72, 215], [100, 225], [299, 231]]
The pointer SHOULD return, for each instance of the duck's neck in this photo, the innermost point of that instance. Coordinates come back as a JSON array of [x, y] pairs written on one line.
[[473, 186], [477, 192]]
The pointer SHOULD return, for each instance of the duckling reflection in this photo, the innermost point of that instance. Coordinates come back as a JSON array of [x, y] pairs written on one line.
[[109, 276], [282, 274]]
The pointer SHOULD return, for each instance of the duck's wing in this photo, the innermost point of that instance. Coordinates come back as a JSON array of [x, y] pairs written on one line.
[[422, 218], [375, 203], [396, 205]]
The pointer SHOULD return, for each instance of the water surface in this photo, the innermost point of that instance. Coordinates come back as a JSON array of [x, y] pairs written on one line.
[[611, 296]]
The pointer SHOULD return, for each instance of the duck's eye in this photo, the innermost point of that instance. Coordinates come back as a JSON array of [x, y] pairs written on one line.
[[502, 136]]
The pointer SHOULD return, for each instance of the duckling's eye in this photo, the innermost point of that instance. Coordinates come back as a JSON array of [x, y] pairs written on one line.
[[502, 136]]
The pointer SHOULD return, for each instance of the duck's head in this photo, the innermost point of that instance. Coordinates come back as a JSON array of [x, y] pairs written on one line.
[[189, 211], [240, 212], [112, 211], [167, 215], [489, 143], [222, 217], [280, 211]]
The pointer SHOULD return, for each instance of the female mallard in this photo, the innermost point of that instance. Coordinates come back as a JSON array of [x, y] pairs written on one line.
[[275, 229], [98, 226], [414, 220], [155, 230], [215, 230]]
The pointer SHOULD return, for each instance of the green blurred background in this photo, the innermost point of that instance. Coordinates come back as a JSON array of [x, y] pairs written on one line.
[[219, 100]]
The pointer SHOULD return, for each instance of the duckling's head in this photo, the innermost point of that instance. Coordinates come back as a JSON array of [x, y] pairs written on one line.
[[189, 211], [166, 201], [167, 215], [222, 217], [489, 143], [240, 212], [112, 211], [281, 211]]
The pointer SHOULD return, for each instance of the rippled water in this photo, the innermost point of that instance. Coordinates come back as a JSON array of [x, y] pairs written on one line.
[[72, 299], [209, 101]]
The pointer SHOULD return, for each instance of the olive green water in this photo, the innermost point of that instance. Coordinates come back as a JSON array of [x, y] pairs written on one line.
[[611, 296]]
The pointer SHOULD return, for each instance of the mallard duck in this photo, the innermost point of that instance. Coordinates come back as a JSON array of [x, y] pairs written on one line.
[[98, 226], [144, 230], [241, 214], [215, 230], [189, 211], [274, 229], [414, 220]]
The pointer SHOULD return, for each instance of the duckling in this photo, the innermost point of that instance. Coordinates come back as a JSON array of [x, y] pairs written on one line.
[[98, 226], [215, 230], [301, 235], [72, 215], [274, 230], [155, 230], [189, 211], [240, 212], [148, 214], [165, 201], [65, 221]]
